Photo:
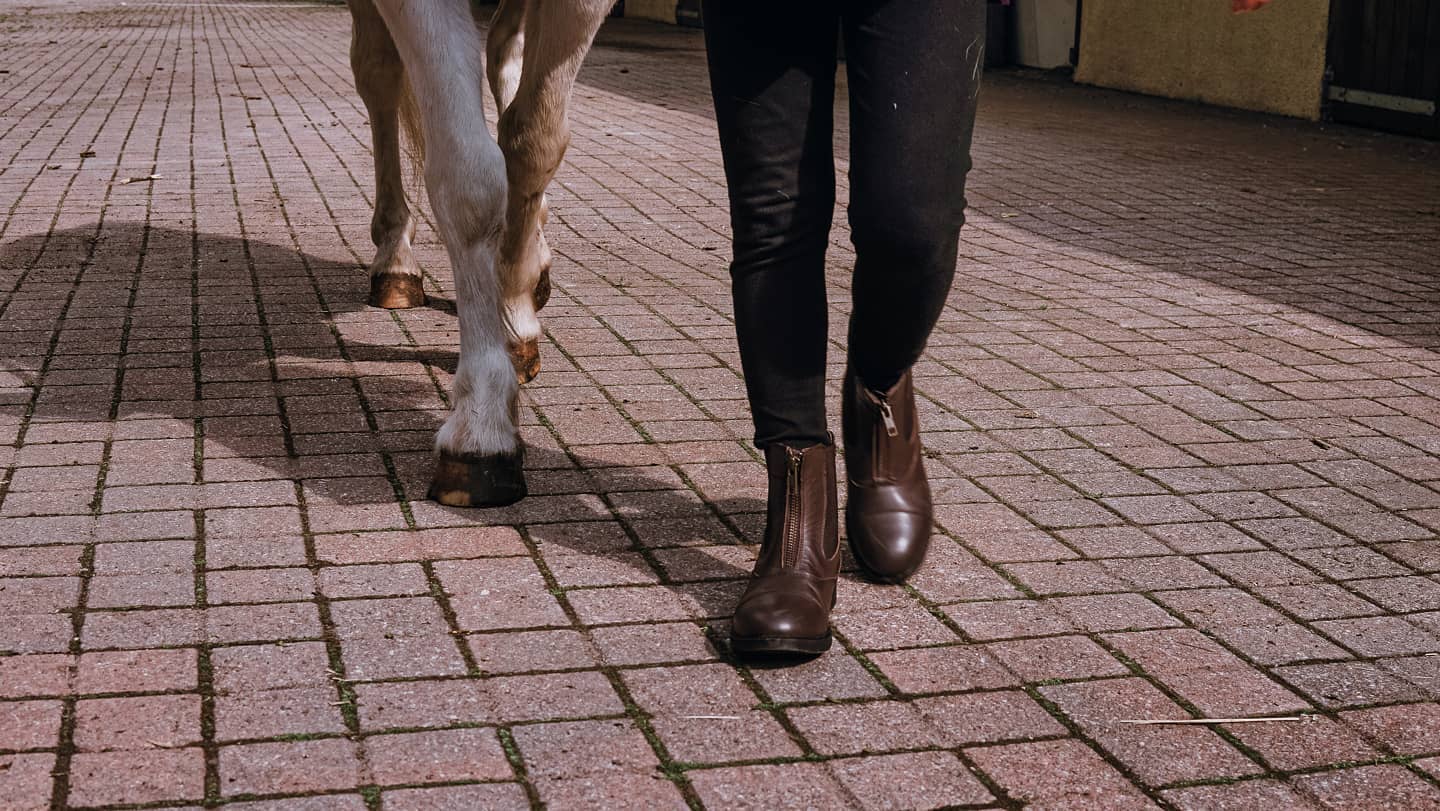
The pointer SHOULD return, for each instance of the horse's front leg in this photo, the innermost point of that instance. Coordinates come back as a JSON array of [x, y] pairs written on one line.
[[479, 449], [395, 280], [534, 133]]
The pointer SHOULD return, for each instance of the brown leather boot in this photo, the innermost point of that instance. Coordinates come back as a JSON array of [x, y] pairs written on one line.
[[888, 514], [786, 607]]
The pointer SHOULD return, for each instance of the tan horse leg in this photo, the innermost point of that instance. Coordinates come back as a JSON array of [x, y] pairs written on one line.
[[534, 133], [395, 280], [504, 54]]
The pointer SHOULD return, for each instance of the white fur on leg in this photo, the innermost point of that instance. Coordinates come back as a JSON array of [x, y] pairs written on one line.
[[482, 420], [467, 195], [465, 174], [475, 425], [482, 417]]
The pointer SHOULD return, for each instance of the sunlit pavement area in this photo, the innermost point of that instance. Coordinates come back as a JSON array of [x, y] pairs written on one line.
[[1181, 415]]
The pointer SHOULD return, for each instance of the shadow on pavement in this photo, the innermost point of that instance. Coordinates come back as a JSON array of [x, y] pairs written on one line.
[[242, 371]]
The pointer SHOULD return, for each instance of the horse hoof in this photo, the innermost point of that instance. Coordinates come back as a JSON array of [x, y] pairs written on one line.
[[542, 290], [472, 480], [525, 357], [396, 291]]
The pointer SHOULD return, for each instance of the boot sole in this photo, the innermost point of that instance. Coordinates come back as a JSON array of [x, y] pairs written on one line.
[[781, 646]]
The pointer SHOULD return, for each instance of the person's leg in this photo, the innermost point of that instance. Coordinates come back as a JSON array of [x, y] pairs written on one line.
[[914, 68], [772, 74], [914, 75], [772, 71]]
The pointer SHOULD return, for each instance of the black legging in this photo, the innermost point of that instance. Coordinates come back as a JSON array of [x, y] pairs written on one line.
[[914, 71]]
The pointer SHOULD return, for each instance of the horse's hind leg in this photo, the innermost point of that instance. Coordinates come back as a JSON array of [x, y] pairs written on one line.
[[504, 54], [534, 133], [479, 449], [504, 44], [395, 280]]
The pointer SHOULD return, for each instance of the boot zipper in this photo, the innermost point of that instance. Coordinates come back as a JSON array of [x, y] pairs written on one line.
[[880, 460], [889, 417], [792, 510]]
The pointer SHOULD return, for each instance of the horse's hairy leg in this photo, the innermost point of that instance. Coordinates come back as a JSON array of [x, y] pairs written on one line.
[[395, 279], [534, 133], [478, 446]]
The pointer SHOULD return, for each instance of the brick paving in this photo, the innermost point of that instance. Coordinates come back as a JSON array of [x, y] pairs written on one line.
[[1181, 417]]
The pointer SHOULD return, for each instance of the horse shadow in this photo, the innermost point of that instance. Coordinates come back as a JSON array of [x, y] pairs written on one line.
[[272, 357]]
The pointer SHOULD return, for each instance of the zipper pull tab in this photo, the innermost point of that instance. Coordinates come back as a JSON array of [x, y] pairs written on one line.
[[889, 417], [794, 460]]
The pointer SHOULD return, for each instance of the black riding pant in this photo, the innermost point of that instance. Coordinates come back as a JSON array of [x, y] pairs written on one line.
[[913, 69]]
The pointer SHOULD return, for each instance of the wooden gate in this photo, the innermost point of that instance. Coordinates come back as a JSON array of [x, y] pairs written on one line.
[[1384, 64]]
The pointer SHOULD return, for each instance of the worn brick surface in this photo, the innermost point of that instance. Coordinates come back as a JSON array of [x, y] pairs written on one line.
[[1182, 416]]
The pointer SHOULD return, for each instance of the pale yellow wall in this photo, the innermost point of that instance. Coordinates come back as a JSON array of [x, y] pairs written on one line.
[[662, 10], [1272, 59]]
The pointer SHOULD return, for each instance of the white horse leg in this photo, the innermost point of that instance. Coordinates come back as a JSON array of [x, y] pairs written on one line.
[[534, 132], [395, 281], [480, 455]]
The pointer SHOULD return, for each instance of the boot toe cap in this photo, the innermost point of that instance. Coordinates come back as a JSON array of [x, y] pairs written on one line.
[[780, 616], [889, 546]]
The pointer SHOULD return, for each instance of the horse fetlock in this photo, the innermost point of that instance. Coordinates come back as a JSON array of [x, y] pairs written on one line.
[[392, 224]]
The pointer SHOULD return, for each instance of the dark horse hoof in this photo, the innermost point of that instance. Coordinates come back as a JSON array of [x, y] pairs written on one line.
[[525, 357], [396, 291], [479, 481]]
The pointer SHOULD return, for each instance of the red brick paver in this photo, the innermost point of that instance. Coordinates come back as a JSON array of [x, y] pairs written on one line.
[[1182, 416]]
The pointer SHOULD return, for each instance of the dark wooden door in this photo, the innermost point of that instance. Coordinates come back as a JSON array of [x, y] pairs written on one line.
[[1384, 60]]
